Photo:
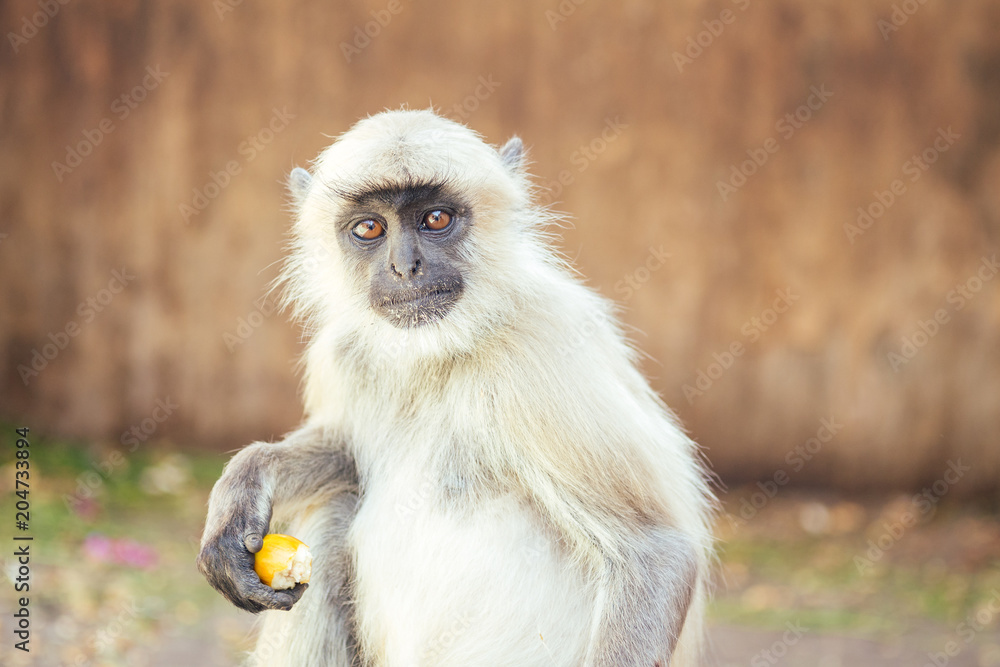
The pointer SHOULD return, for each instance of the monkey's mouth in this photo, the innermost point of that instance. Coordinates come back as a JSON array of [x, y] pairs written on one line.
[[413, 307]]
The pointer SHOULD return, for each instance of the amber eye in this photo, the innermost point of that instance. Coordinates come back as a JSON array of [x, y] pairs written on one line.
[[437, 220], [368, 230]]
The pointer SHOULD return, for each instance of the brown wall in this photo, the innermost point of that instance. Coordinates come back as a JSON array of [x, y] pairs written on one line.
[[559, 80]]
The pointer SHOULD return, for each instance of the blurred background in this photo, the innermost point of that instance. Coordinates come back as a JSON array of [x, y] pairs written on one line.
[[796, 204]]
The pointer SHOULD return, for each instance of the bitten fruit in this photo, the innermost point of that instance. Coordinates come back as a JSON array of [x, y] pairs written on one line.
[[282, 562]]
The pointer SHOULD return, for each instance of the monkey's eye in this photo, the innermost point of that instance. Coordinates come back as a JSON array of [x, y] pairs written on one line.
[[437, 220], [368, 230]]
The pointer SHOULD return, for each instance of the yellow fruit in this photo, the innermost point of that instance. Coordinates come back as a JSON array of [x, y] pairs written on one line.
[[283, 562]]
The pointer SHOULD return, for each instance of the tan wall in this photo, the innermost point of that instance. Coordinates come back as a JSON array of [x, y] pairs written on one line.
[[601, 67]]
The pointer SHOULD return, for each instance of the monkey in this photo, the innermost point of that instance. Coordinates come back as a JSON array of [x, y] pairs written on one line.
[[483, 473]]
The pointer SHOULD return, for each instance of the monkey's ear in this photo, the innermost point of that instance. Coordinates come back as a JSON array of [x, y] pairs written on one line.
[[512, 154], [298, 184]]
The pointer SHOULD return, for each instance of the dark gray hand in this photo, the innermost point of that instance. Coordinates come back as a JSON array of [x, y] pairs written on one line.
[[227, 559]]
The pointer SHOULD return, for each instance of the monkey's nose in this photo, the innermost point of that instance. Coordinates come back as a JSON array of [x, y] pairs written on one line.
[[406, 269]]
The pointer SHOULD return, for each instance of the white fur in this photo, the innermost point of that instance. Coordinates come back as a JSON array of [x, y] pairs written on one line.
[[529, 379]]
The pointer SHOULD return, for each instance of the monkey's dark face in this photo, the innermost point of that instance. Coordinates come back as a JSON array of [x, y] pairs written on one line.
[[405, 242]]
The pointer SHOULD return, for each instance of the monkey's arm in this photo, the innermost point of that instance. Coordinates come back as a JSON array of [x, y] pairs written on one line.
[[643, 599], [311, 464], [643, 568]]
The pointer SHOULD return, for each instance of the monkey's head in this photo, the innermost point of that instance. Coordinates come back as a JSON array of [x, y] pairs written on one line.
[[410, 223]]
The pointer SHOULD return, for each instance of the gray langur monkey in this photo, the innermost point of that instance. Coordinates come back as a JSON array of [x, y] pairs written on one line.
[[483, 475]]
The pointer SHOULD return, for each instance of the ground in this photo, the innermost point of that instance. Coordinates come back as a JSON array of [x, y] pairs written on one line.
[[805, 577]]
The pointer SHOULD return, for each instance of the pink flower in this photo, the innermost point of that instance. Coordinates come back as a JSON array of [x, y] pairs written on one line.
[[134, 554], [103, 549], [98, 548]]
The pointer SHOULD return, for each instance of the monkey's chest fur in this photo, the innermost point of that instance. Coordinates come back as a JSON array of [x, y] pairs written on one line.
[[445, 575]]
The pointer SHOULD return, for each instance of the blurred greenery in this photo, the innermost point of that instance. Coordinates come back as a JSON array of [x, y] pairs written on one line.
[[794, 560], [108, 607]]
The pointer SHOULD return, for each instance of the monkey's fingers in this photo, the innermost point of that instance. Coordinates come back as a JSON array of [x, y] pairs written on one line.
[[254, 542], [227, 564], [255, 596], [292, 595]]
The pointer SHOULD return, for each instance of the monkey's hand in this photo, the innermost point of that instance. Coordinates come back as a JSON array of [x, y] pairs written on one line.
[[227, 561], [239, 514], [309, 465]]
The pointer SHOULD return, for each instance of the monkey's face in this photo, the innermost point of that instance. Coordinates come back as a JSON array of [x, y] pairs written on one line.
[[410, 224], [404, 243]]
